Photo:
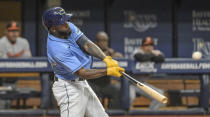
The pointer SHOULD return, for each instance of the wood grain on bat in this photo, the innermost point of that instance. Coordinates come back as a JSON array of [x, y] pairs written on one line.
[[161, 98]]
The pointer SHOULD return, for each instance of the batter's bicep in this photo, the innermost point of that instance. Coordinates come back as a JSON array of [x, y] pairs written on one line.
[[81, 42]]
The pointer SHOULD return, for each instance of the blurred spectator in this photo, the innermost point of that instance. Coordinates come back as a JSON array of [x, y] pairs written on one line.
[[102, 41], [105, 87], [146, 53], [13, 46]]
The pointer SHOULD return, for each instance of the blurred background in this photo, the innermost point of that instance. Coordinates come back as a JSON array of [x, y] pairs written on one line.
[[176, 28]]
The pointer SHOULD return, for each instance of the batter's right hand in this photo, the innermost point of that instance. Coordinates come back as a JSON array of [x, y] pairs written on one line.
[[110, 62], [115, 71]]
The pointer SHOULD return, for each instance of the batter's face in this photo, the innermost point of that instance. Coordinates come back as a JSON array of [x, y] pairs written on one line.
[[12, 35], [147, 48], [62, 30]]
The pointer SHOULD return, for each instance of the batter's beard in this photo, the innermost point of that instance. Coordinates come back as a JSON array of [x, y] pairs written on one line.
[[63, 34]]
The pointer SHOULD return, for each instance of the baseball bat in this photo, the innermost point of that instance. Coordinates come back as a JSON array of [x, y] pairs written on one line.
[[161, 98]]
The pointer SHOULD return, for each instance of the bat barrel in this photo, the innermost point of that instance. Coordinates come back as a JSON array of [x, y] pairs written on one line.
[[156, 95], [164, 100], [161, 98]]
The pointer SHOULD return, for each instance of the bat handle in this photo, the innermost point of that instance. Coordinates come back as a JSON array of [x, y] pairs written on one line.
[[129, 77], [122, 72]]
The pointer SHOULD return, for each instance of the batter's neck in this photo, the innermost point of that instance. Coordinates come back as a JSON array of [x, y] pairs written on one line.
[[60, 36]]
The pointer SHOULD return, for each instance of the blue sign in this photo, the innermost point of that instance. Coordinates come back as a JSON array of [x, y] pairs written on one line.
[[88, 15], [133, 21], [170, 66], [194, 28], [25, 65]]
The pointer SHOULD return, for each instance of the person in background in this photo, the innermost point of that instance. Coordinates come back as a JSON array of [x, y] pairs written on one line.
[[102, 40], [147, 53], [106, 86], [12, 45]]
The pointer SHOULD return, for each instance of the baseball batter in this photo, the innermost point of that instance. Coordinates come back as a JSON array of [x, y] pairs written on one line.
[[69, 52]]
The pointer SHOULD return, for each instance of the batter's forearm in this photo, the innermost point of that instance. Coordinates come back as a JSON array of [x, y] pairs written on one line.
[[91, 73], [94, 50]]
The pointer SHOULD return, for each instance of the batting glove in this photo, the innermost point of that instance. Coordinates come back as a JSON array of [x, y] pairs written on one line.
[[115, 71], [110, 62]]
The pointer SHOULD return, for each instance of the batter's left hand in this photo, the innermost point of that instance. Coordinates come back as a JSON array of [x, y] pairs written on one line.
[[115, 71], [110, 62]]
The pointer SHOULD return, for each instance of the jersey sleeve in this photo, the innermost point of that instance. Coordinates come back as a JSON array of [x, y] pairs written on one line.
[[76, 33], [69, 62]]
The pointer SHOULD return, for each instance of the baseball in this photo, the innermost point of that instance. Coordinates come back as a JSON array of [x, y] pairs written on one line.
[[197, 55]]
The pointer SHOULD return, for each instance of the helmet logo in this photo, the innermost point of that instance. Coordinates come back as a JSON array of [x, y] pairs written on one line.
[[60, 12]]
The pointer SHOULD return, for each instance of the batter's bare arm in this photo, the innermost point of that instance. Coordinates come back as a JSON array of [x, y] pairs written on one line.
[[96, 73], [91, 48], [91, 73]]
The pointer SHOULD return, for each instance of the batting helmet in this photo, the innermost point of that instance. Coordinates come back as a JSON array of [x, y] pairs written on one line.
[[55, 16]]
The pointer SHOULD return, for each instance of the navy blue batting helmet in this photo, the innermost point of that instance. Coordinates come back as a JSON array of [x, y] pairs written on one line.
[[55, 16]]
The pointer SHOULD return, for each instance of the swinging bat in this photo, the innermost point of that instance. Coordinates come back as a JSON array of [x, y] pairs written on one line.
[[161, 98]]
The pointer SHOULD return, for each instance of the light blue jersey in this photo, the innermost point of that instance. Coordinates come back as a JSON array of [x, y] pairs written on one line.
[[65, 55]]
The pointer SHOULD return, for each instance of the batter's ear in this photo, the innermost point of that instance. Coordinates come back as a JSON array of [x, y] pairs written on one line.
[[52, 30]]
